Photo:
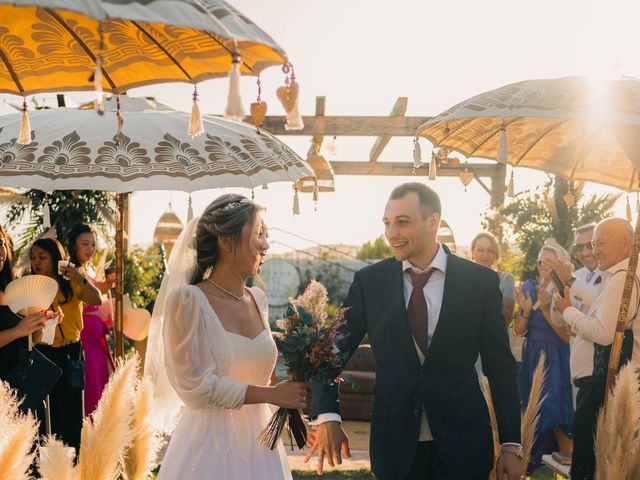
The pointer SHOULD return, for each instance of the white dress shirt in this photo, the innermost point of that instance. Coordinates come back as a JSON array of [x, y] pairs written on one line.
[[433, 293], [598, 325]]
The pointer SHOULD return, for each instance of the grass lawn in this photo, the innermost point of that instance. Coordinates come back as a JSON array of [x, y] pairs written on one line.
[[541, 474]]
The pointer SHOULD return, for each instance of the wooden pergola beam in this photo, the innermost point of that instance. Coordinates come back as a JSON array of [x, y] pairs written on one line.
[[347, 126], [398, 110], [406, 169]]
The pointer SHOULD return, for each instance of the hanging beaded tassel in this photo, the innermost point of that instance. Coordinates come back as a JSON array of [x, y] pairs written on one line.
[[315, 195], [433, 167], [97, 76], [511, 187], [235, 110], [502, 153], [417, 154], [24, 138], [46, 214], [296, 201], [190, 210], [195, 121], [258, 108], [120, 120], [629, 217]]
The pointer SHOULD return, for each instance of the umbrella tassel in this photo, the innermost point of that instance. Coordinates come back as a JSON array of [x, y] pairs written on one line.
[[190, 210], [120, 121], [97, 83], [433, 168], [629, 217], [296, 202], [417, 154], [502, 154], [235, 110], [46, 215], [24, 138], [195, 121], [511, 187]]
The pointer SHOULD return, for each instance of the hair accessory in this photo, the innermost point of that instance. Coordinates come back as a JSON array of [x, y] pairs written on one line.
[[232, 205]]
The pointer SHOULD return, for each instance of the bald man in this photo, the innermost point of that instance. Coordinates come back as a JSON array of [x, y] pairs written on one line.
[[594, 331]]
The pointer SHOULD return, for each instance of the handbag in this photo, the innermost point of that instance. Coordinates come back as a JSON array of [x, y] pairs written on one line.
[[75, 369], [33, 377]]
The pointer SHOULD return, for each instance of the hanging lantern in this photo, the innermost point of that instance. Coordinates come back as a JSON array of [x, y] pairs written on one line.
[[323, 180], [569, 200]]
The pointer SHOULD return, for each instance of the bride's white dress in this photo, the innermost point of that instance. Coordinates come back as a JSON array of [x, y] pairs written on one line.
[[210, 368]]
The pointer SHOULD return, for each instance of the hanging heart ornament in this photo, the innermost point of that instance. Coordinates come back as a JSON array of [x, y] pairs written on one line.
[[288, 95], [466, 177], [258, 112]]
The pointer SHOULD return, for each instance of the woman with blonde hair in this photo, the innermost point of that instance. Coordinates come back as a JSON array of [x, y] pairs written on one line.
[[533, 321], [485, 250], [210, 339]]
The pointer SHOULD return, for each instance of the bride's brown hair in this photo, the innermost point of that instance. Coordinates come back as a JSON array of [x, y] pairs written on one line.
[[226, 216]]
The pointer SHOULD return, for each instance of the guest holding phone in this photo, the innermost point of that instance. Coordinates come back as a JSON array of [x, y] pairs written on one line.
[[533, 321]]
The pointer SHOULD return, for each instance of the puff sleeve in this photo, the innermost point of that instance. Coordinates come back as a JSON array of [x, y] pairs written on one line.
[[189, 357]]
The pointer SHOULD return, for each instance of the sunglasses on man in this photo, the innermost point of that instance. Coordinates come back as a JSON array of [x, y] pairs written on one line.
[[578, 247]]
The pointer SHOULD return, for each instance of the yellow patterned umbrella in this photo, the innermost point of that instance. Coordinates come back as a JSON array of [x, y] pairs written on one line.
[[55, 45], [567, 126]]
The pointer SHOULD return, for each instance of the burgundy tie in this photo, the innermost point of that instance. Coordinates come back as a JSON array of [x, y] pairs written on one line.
[[417, 310]]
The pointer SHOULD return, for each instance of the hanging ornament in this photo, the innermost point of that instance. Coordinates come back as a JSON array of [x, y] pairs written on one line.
[[315, 195], [98, 74], [417, 154], [190, 210], [265, 186], [24, 138], [569, 200], [502, 153], [511, 191], [332, 148], [258, 108], [433, 167], [288, 96], [120, 121], [466, 177], [195, 121], [235, 110], [629, 217], [296, 201], [46, 214], [253, 194]]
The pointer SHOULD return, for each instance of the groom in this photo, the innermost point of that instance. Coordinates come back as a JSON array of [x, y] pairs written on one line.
[[428, 315]]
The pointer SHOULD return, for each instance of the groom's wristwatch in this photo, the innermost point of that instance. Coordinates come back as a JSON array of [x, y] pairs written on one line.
[[514, 448]]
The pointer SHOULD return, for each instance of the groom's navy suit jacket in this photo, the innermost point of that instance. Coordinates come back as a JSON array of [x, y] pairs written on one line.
[[446, 385]]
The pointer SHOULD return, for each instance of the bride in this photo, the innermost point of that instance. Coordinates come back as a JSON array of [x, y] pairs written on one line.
[[211, 349]]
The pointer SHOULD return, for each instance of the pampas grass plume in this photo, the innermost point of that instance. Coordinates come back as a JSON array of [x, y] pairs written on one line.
[[107, 433], [617, 444], [55, 462], [531, 415], [140, 458], [18, 433], [494, 425]]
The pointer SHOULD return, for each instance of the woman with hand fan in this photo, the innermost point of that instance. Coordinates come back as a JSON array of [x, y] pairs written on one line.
[[74, 291]]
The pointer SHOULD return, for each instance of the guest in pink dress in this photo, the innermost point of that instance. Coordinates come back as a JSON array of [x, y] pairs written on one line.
[[98, 359]]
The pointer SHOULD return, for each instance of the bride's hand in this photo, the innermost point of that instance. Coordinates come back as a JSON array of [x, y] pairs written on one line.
[[289, 395]]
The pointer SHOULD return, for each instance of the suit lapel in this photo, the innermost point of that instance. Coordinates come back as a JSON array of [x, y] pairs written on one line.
[[449, 298], [399, 320]]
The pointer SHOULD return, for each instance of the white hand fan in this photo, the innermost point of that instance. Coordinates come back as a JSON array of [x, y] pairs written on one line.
[[31, 293]]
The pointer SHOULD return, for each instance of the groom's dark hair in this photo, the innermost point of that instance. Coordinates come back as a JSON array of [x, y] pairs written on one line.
[[429, 199]]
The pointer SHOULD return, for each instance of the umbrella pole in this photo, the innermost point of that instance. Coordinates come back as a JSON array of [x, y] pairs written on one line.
[[120, 219], [623, 313]]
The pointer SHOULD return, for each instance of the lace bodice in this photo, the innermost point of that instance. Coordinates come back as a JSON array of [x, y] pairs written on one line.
[[207, 365]]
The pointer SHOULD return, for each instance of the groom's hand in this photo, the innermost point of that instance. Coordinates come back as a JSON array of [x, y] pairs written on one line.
[[509, 467], [328, 440]]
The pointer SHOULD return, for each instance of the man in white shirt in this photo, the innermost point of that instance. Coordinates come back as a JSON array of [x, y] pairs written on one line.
[[428, 315], [594, 330]]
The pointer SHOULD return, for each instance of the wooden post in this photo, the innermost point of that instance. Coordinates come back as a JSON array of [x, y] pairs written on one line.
[[120, 220], [623, 313]]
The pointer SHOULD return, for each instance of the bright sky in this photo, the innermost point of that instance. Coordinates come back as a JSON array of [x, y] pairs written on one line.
[[362, 55]]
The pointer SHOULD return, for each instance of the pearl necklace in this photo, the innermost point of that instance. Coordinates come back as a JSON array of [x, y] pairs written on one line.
[[237, 297]]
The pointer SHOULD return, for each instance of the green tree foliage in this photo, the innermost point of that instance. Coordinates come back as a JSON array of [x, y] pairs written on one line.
[[67, 208], [533, 217], [143, 272], [376, 250]]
